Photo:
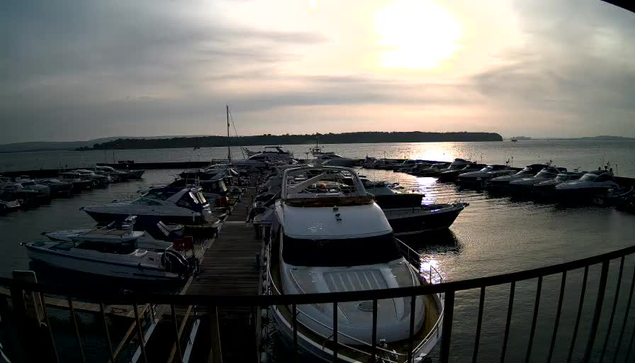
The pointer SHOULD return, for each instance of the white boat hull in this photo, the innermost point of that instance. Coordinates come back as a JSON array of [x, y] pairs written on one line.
[[111, 269]]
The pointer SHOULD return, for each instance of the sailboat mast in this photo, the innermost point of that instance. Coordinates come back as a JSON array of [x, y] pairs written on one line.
[[229, 151]]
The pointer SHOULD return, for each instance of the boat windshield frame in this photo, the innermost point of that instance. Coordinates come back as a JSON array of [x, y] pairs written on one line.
[[326, 185], [547, 172], [589, 177]]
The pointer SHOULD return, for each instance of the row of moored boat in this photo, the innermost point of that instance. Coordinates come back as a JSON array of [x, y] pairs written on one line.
[[25, 192]]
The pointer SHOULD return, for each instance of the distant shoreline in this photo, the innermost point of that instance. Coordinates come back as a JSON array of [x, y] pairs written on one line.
[[268, 139], [88, 145]]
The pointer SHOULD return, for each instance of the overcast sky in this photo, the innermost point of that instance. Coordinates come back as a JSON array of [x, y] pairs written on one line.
[[77, 70]]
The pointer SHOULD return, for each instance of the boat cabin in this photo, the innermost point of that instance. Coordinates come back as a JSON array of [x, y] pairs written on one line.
[[190, 198]]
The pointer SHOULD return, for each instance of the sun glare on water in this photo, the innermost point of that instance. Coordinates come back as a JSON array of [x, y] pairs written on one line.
[[416, 34]]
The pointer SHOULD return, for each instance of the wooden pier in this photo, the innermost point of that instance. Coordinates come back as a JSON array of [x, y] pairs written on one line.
[[230, 267]]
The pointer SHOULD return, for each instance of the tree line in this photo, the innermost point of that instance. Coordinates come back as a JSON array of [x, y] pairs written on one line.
[[268, 139]]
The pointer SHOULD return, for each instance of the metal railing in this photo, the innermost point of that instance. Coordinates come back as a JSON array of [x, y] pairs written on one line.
[[594, 289]]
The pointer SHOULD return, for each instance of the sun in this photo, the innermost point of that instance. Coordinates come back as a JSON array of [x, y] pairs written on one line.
[[416, 34]]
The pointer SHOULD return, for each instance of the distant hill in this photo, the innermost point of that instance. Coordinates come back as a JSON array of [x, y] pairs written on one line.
[[520, 138], [268, 139], [50, 146], [606, 137], [64, 145]]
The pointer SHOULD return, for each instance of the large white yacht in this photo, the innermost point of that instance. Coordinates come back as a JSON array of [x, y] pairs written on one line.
[[328, 235]]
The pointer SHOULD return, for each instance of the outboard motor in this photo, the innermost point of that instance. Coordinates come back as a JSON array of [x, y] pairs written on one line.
[[175, 262]]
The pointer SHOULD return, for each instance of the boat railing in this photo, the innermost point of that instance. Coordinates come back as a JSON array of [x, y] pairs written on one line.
[[596, 325]]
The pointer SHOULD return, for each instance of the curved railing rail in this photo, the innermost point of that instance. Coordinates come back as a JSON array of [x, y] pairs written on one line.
[[448, 289]]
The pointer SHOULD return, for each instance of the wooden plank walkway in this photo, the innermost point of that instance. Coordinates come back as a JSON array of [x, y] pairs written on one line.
[[230, 268]]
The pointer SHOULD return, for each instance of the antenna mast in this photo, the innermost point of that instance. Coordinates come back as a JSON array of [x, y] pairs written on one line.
[[229, 151]]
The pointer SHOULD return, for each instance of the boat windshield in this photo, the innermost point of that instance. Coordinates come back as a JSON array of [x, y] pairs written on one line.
[[340, 252], [526, 171], [589, 177], [546, 174], [123, 248]]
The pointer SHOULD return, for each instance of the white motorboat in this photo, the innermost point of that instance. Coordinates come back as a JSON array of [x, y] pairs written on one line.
[[272, 154], [12, 191], [528, 183], [545, 189], [114, 232], [78, 181], [406, 214], [276, 150], [7, 206], [588, 186], [527, 172], [30, 184], [408, 166], [97, 179], [489, 172], [57, 187], [328, 235], [430, 170], [451, 175], [115, 175], [185, 206], [214, 189], [115, 256]]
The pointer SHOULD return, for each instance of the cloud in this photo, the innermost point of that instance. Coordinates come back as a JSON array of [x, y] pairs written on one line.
[[75, 69]]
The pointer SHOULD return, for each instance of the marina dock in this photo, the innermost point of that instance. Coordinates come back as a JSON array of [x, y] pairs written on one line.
[[230, 267]]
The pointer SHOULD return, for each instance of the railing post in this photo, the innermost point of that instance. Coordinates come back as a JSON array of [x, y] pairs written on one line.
[[563, 283], [295, 332], [625, 320], [510, 309], [335, 331], [534, 319], [413, 305], [446, 335], [615, 301], [374, 335], [216, 353], [108, 340], [479, 324], [598, 312], [142, 342], [579, 314], [76, 327]]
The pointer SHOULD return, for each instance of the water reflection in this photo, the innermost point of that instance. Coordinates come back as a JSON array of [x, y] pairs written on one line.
[[444, 241]]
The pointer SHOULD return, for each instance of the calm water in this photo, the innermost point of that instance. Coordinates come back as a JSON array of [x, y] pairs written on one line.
[[492, 236], [571, 154]]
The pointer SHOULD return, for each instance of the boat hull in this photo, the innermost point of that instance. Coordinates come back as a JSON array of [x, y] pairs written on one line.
[[142, 220], [106, 269], [578, 196], [404, 223]]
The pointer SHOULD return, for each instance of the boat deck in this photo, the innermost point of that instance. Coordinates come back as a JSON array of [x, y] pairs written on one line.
[[230, 268]]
